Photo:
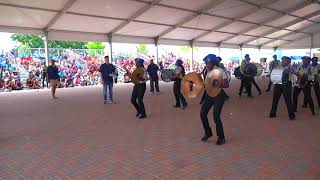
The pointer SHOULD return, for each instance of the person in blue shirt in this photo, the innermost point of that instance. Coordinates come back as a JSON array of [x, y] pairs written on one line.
[[107, 72], [53, 78], [154, 78]]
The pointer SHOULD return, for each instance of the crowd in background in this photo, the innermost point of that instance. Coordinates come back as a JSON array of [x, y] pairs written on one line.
[[72, 74]]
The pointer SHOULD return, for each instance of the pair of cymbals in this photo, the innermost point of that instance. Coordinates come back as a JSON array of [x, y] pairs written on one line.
[[192, 84]]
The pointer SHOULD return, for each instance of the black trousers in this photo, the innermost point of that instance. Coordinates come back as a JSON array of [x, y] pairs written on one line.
[[269, 85], [217, 104], [154, 84], [316, 87], [307, 94], [44, 77], [245, 83], [255, 84], [286, 91], [177, 93], [137, 97]]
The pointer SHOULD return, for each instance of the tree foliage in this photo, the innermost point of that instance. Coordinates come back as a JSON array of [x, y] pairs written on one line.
[[33, 41], [96, 45], [142, 48]]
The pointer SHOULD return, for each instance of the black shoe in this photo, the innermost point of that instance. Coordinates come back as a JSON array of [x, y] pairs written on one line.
[[143, 116], [304, 106], [313, 113], [293, 117], [138, 114], [259, 92], [176, 106], [272, 115], [200, 102], [221, 141], [206, 137], [184, 106], [239, 94]]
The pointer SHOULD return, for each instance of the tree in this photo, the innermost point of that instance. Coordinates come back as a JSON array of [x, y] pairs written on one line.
[[38, 42], [67, 44], [31, 41], [94, 46], [142, 48]]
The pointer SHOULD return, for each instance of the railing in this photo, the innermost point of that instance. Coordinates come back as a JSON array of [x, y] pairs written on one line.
[[21, 69], [78, 59]]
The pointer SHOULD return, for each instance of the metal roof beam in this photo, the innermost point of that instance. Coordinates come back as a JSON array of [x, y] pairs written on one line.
[[286, 26], [68, 4], [204, 9], [237, 19], [302, 5], [133, 17], [279, 11]]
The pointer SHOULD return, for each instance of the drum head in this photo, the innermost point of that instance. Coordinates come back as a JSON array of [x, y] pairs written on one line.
[[167, 74], [276, 76]]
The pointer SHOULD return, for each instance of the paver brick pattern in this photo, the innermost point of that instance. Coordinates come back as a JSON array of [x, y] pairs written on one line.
[[78, 137]]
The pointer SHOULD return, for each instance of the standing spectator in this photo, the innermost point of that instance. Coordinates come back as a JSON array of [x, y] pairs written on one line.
[[107, 71], [53, 78], [154, 78], [44, 75]]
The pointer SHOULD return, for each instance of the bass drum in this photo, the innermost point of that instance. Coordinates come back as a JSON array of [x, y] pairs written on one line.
[[167, 74], [276, 76], [237, 72], [251, 70]]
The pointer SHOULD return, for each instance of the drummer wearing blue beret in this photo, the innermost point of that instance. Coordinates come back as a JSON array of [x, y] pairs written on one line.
[[283, 87]]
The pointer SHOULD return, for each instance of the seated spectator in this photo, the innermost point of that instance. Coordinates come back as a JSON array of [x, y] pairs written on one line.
[[9, 84], [69, 82], [17, 85]]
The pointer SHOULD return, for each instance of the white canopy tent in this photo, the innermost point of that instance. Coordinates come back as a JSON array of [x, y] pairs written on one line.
[[204, 23]]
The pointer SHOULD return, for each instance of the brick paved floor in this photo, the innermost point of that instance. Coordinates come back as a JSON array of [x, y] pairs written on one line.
[[78, 137]]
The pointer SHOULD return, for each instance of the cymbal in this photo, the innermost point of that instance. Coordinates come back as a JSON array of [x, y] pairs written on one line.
[[192, 85], [213, 82], [135, 75]]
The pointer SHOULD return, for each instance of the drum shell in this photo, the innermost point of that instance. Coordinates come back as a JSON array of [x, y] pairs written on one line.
[[167, 74]]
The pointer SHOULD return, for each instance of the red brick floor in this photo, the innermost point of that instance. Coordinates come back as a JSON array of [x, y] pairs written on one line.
[[78, 137]]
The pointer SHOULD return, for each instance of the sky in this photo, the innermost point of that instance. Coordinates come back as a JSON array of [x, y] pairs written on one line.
[[6, 43]]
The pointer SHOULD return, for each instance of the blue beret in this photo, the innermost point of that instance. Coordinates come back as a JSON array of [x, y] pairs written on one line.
[[315, 58], [210, 57], [139, 60], [306, 58], [179, 61], [219, 59]]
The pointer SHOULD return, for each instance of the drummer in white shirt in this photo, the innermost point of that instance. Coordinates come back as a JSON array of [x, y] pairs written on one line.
[[284, 87]]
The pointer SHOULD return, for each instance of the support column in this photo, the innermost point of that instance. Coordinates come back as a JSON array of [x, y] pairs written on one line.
[[156, 43], [241, 46], [219, 49], [110, 45], [192, 56], [46, 47], [275, 49], [312, 45]]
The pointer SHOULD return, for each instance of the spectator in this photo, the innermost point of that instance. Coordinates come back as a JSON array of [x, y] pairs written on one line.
[[107, 71], [53, 78], [154, 78]]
